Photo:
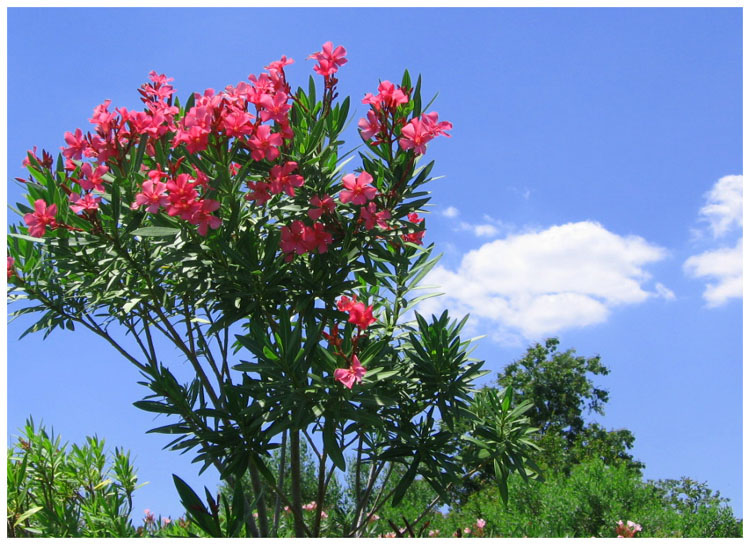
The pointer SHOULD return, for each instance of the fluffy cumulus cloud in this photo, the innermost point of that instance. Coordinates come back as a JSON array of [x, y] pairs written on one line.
[[538, 283], [723, 208], [721, 267]]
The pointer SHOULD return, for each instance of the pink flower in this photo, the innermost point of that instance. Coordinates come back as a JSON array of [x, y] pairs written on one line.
[[195, 138], [282, 179], [419, 131], [345, 304], [203, 217], [278, 66], [316, 237], [87, 202], [274, 107], [388, 95], [361, 315], [293, 239], [353, 374], [417, 236], [237, 123], [264, 144], [258, 192], [433, 533], [77, 145], [467, 530], [370, 127], [310, 506], [42, 217], [329, 59], [154, 194], [358, 191], [11, 263], [371, 217], [481, 523], [323, 205], [92, 179], [182, 197]]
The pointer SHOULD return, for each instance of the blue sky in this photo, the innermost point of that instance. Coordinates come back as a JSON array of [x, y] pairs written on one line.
[[592, 191]]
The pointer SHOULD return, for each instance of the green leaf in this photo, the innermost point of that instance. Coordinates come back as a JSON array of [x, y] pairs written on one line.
[[156, 231], [196, 509], [332, 445]]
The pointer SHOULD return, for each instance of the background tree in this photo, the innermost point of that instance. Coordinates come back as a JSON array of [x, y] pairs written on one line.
[[560, 388]]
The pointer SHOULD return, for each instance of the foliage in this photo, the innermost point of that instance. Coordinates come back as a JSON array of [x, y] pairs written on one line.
[[560, 388], [227, 227], [68, 491], [588, 502]]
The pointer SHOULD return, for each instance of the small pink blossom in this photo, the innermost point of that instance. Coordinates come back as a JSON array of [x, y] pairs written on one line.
[[282, 179], [42, 217], [317, 238], [329, 59], [415, 237], [265, 144], [419, 131], [182, 197], [154, 194], [278, 66], [204, 218], [259, 192], [86, 202], [77, 145], [371, 126], [92, 178], [350, 375], [481, 523], [11, 264], [371, 217], [323, 205], [293, 239], [359, 190]]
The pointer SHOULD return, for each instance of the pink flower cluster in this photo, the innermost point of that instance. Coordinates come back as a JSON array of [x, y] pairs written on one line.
[[329, 59], [361, 316], [419, 131], [627, 530], [384, 120], [280, 180], [180, 197], [299, 239], [416, 236]]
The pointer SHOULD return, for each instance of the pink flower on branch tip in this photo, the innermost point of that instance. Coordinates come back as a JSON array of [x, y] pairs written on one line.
[[11, 264], [329, 59], [264, 144], [350, 375], [282, 179], [77, 145], [419, 131], [322, 205], [42, 217], [204, 218], [86, 202], [153, 194], [91, 178], [278, 66], [359, 190]]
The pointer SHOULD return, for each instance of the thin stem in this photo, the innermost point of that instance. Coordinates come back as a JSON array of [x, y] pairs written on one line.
[[261, 501], [296, 485], [282, 471]]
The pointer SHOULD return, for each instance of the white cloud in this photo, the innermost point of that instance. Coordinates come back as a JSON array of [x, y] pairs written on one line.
[[479, 230], [540, 282], [450, 212], [724, 266], [723, 208]]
